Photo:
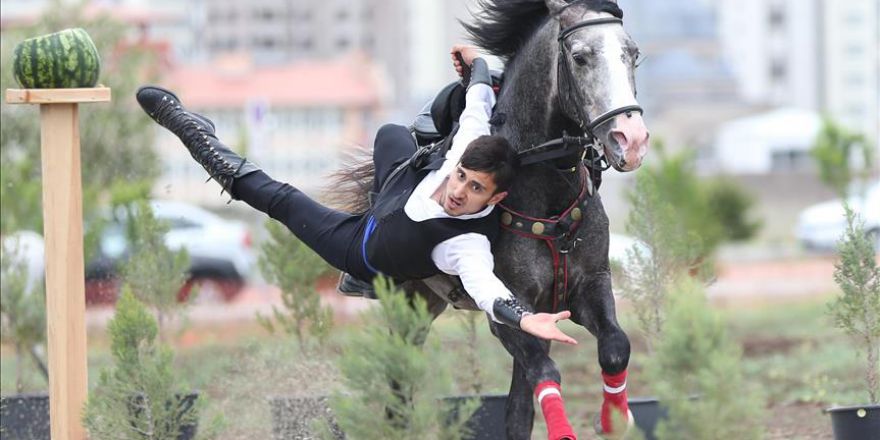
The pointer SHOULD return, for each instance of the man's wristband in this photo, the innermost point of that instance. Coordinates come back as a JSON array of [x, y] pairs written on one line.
[[480, 73], [509, 311]]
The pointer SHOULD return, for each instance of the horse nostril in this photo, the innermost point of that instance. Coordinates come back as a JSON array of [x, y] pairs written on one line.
[[620, 137], [622, 162]]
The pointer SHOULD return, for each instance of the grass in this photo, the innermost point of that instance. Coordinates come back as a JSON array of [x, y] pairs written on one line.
[[792, 350]]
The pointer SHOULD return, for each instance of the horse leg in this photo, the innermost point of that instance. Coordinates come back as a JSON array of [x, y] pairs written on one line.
[[592, 306], [533, 373]]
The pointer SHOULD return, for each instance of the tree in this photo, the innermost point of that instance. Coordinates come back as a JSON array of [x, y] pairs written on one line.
[[154, 272], [387, 370], [22, 310], [288, 263], [714, 210], [696, 359], [668, 251], [835, 150], [730, 204], [116, 138], [139, 396], [857, 311]]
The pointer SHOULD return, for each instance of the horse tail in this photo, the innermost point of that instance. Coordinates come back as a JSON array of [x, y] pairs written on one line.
[[350, 185]]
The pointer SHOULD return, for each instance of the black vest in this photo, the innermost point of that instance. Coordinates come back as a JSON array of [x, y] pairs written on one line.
[[400, 247]]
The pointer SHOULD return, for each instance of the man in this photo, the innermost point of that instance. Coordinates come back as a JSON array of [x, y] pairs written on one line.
[[424, 221]]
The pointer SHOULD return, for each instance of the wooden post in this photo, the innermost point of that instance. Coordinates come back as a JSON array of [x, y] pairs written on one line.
[[63, 233]]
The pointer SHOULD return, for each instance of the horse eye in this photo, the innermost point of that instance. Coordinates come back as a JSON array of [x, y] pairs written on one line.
[[579, 59]]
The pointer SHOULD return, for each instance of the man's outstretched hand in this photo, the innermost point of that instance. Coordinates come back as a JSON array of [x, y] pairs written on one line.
[[543, 325]]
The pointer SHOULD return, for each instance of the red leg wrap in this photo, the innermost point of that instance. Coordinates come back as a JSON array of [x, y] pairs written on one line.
[[550, 395], [615, 400]]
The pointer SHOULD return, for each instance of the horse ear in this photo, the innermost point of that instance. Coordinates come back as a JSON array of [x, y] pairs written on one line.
[[556, 6]]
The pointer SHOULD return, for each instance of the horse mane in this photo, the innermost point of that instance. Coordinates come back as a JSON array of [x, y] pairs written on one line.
[[502, 27]]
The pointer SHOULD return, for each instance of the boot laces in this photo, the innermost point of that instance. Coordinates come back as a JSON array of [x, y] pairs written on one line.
[[197, 139]]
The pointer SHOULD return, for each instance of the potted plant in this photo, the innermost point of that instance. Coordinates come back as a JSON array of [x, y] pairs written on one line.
[[489, 418], [393, 376], [288, 263], [22, 326], [696, 372], [857, 312], [139, 396]]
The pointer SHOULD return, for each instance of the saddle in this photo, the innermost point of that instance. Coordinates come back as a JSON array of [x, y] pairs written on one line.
[[439, 116]]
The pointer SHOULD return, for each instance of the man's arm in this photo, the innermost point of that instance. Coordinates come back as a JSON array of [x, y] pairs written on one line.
[[479, 101], [470, 257]]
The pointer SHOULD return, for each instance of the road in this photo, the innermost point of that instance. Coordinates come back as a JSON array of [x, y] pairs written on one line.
[[737, 283]]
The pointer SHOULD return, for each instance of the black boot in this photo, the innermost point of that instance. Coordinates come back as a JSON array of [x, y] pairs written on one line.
[[351, 286], [197, 134]]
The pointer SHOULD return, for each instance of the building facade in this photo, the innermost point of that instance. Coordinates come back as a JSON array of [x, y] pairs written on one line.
[[820, 55], [294, 120]]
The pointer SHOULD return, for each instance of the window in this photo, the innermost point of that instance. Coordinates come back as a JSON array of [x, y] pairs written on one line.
[[855, 49], [776, 17], [778, 70], [265, 42], [790, 160]]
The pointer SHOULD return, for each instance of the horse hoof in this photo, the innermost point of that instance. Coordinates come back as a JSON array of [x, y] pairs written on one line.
[[597, 425]]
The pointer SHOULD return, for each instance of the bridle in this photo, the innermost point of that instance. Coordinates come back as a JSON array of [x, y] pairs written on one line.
[[570, 96], [572, 103]]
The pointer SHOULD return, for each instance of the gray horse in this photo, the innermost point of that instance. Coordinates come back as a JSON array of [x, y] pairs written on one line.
[[569, 68]]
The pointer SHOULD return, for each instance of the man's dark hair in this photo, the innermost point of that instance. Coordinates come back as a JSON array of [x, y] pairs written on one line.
[[494, 155]]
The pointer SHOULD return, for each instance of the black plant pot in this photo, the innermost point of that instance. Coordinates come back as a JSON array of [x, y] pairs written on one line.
[[647, 411], [489, 420], [24, 417], [855, 422], [295, 417], [185, 402]]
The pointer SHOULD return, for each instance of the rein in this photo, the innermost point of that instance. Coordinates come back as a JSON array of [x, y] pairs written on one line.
[[559, 231]]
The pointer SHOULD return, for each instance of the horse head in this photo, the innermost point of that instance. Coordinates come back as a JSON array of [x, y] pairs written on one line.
[[596, 65]]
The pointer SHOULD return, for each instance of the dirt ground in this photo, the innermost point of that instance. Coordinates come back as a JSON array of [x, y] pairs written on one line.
[[798, 421]]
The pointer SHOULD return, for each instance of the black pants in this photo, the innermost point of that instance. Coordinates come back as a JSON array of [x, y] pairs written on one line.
[[334, 235]]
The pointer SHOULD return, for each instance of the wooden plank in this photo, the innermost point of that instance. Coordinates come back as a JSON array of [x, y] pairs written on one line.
[[65, 286], [57, 96]]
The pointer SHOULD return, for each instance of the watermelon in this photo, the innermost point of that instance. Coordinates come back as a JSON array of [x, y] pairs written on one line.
[[65, 59]]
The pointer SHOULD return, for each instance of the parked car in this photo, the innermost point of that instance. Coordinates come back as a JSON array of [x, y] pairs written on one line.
[[25, 248], [821, 226], [619, 249], [220, 251]]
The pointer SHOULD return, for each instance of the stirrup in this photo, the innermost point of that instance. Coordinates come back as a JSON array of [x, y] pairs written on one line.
[[351, 286]]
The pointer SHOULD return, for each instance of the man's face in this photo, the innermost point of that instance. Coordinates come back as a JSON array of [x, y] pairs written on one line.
[[468, 192]]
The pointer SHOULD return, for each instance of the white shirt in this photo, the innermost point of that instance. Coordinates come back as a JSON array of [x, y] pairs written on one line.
[[468, 256]]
